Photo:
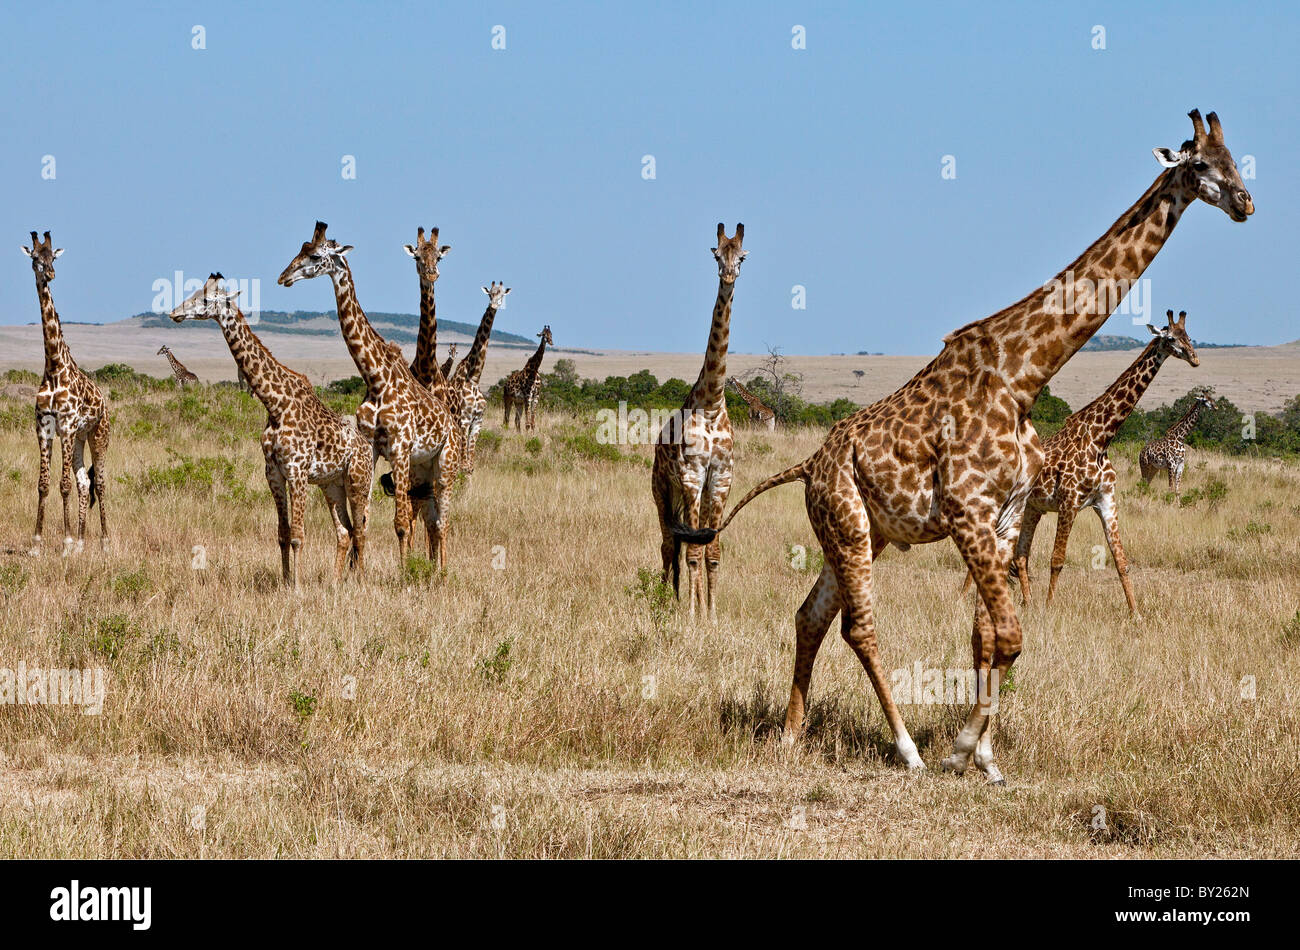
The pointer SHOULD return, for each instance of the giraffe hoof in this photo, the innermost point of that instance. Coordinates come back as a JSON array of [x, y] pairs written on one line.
[[956, 764]]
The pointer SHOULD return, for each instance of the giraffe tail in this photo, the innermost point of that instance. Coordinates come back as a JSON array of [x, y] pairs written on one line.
[[91, 491], [418, 492], [690, 535]]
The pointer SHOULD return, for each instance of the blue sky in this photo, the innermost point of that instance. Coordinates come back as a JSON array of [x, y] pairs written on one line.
[[530, 158]]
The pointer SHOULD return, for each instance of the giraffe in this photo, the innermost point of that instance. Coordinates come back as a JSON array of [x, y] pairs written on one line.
[[522, 388], [425, 366], [692, 466], [427, 254], [304, 442], [450, 361], [952, 454], [758, 413], [465, 379], [1077, 473], [399, 418], [183, 375], [1170, 452], [71, 408]]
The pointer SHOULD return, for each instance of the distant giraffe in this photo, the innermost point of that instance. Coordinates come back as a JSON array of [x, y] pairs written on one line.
[[427, 254], [304, 442], [1170, 453], [450, 361], [692, 466], [465, 378], [401, 419], [72, 408], [183, 375], [1077, 473], [523, 387], [759, 414], [952, 453]]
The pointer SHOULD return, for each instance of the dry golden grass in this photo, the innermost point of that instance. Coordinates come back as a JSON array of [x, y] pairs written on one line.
[[508, 712]]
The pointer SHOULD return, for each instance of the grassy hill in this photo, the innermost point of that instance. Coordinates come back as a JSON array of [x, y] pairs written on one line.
[[1106, 341], [398, 327]]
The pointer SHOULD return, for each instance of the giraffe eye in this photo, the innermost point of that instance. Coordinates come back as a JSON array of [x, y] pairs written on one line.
[[1199, 165]]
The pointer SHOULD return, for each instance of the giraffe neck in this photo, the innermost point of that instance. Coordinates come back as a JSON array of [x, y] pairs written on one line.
[[177, 366], [750, 399], [1181, 429], [425, 366], [276, 386], [1027, 343], [1109, 410], [708, 390], [369, 350], [534, 362], [57, 354], [472, 364]]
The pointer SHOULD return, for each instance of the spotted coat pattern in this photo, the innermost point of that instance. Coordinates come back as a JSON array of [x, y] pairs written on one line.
[[71, 409], [952, 454], [304, 442], [523, 387], [693, 457]]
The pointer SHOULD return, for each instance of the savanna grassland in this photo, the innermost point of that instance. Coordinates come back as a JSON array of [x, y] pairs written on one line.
[[543, 698]]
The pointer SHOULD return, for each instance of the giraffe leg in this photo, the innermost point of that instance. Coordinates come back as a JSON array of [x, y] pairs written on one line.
[[297, 484], [506, 422], [401, 462], [1173, 479], [67, 484], [694, 576], [995, 642], [712, 509], [99, 437], [1024, 547], [851, 561], [810, 625], [1109, 515], [360, 475], [1064, 523], [279, 491], [45, 440], [336, 499], [81, 475], [1176, 476], [669, 546]]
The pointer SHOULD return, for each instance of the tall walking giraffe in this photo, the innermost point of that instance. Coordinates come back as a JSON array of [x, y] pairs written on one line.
[[523, 387], [1077, 473], [400, 419], [70, 407], [465, 378], [1170, 451], [759, 414], [952, 454], [183, 375], [304, 442], [692, 467]]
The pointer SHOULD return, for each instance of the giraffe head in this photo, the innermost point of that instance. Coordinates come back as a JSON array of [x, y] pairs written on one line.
[[427, 254], [161, 350], [320, 255], [1174, 339], [1206, 169], [729, 253], [209, 302], [545, 335], [42, 255], [496, 294], [1205, 396]]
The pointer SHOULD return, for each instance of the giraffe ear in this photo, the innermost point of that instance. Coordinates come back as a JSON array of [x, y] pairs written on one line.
[[444, 249], [344, 249], [233, 295], [409, 250], [58, 252], [1168, 157], [25, 249]]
